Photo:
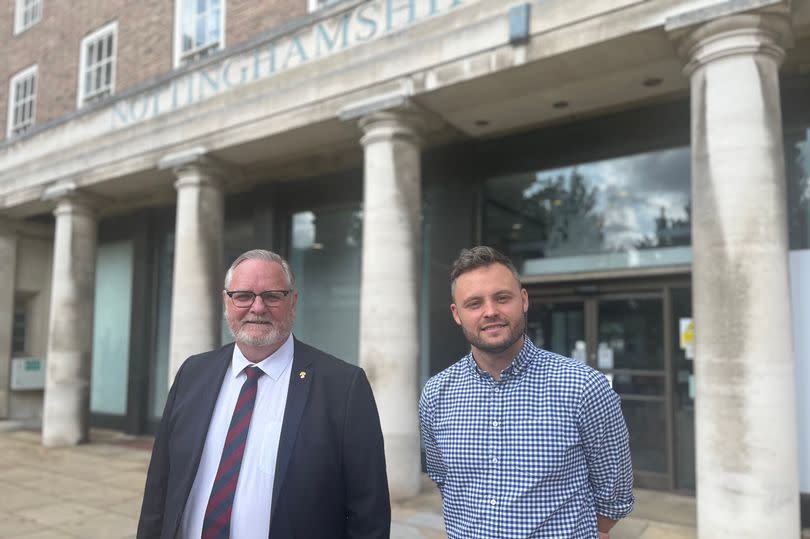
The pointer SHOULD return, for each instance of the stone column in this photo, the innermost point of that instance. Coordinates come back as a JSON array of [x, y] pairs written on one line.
[[745, 404], [8, 275], [66, 408], [196, 300], [389, 306]]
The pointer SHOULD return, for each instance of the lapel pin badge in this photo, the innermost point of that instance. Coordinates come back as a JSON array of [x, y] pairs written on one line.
[[302, 374]]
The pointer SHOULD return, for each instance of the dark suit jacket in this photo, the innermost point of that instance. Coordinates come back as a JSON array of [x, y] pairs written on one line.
[[330, 477]]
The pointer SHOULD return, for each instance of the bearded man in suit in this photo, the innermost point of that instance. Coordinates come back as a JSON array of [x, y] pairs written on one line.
[[267, 436]]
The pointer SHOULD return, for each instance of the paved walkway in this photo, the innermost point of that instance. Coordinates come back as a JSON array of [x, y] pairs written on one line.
[[94, 491]]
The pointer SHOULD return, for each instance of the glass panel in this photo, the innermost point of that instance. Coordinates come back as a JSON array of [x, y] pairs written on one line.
[[638, 384], [683, 392], [646, 423], [159, 379], [325, 257], [631, 334], [99, 78], [111, 325], [631, 211], [558, 328], [18, 330], [797, 157], [188, 19], [213, 24], [199, 36]]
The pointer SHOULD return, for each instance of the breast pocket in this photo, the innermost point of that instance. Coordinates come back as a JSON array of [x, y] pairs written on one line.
[[269, 447]]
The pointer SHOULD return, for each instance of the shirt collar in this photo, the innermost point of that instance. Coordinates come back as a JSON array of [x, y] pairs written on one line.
[[519, 364], [273, 365]]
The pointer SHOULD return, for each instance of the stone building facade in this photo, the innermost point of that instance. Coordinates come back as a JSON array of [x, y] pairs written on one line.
[[646, 163]]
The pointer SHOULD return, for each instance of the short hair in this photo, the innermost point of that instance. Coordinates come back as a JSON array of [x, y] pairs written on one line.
[[267, 256], [480, 256]]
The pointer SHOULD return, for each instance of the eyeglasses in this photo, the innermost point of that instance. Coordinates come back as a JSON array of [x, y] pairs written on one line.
[[244, 298]]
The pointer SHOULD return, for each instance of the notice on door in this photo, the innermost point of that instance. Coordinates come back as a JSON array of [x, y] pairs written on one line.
[[604, 356], [687, 331]]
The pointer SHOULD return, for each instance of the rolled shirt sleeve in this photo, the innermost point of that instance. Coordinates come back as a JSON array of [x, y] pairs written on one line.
[[434, 464], [607, 448]]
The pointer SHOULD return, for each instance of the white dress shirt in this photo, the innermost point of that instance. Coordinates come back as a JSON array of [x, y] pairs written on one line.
[[250, 517]]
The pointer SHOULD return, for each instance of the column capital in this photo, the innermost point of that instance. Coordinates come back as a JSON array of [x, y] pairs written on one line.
[[69, 198], [389, 115], [703, 39], [196, 167], [404, 122]]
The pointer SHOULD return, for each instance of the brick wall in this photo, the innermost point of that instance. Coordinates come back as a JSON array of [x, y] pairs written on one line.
[[145, 43], [247, 18]]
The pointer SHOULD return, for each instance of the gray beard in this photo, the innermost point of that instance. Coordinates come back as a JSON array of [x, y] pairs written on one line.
[[272, 337]]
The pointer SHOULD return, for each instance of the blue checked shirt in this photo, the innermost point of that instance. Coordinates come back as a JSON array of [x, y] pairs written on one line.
[[535, 455]]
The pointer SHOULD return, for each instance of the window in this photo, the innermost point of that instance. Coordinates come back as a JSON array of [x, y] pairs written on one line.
[[97, 64], [628, 211], [18, 330], [22, 101], [325, 255], [199, 30], [27, 14]]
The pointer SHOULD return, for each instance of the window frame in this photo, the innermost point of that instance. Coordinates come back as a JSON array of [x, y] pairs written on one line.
[[12, 100], [315, 5], [181, 58], [19, 16], [82, 98]]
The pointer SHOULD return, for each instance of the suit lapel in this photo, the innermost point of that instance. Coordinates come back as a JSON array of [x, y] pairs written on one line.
[[206, 395], [204, 386], [297, 394]]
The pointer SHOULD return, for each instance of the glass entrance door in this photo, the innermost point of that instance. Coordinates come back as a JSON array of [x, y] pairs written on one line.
[[630, 351], [632, 337], [558, 326]]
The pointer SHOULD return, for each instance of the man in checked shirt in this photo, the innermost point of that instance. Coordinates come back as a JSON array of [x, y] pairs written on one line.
[[522, 443]]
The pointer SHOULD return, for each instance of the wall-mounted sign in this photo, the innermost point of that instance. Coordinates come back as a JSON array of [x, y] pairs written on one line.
[[687, 331]]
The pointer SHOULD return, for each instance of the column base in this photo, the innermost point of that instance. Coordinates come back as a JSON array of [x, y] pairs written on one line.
[[404, 465]]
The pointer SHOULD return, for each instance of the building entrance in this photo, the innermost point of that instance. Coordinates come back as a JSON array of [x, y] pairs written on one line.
[[632, 334]]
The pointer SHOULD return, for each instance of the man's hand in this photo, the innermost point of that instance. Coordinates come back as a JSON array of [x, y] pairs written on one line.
[[604, 523]]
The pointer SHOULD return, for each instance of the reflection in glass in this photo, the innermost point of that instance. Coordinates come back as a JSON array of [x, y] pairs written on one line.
[[325, 256], [159, 376], [631, 211], [631, 333]]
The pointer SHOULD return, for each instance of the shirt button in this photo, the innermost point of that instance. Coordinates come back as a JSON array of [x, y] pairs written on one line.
[[496, 423], [495, 460], [493, 501]]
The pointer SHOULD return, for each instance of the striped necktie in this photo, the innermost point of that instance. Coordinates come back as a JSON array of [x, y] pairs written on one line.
[[217, 521]]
